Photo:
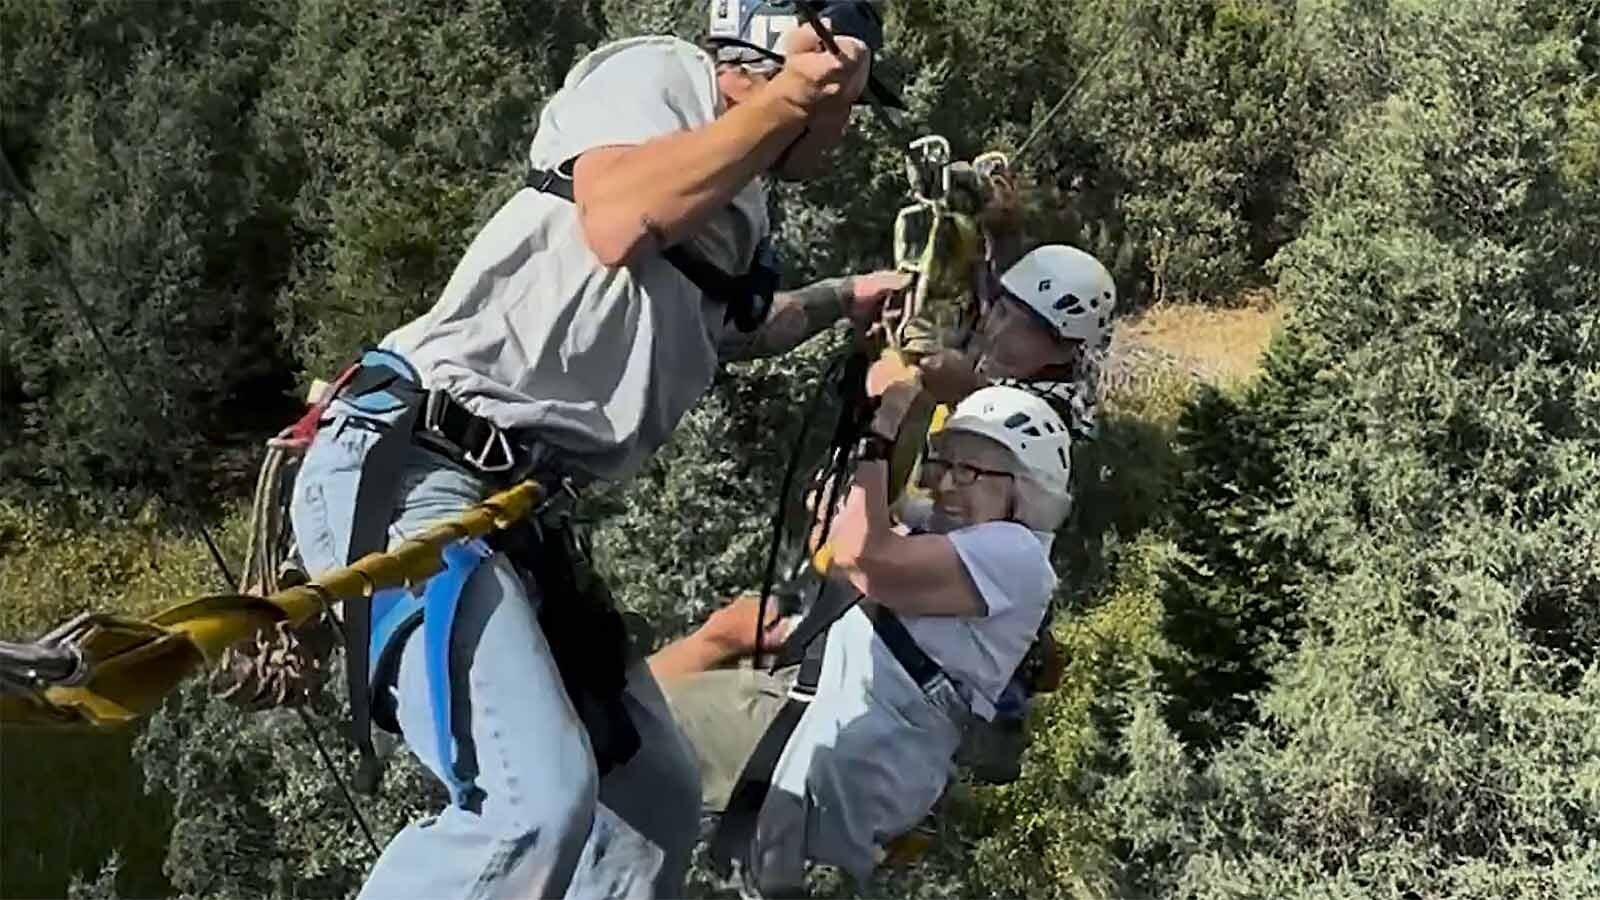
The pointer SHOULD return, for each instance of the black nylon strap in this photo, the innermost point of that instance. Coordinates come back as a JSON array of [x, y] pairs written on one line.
[[834, 599], [368, 379], [917, 663], [737, 826], [369, 533], [586, 634]]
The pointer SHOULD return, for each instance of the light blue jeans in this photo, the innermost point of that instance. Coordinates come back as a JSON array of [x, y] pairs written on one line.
[[548, 827]]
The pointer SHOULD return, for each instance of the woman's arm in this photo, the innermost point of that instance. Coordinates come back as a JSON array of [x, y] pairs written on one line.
[[920, 575]]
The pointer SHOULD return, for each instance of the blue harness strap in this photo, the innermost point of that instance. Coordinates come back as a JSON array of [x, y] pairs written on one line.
[[440, 601], [396, 612]]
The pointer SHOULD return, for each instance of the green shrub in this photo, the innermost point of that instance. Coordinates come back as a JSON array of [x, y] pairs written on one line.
[[174, 236], [411, 122], [1401, 588]]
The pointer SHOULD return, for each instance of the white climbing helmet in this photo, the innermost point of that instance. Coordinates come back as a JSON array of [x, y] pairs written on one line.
[[1025, 424], [749, 31], [1067, 288]]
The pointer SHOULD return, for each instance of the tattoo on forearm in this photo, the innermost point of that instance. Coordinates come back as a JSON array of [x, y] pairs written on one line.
[[796, 316]]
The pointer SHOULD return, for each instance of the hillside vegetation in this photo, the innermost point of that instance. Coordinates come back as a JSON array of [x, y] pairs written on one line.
[[1332, 617]]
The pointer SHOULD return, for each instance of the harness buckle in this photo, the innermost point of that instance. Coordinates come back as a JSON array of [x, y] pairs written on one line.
[[561, 499], [496, 443], [801, 696]]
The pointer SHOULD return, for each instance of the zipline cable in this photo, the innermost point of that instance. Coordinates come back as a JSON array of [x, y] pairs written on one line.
[[14, 185], [1072, 89]]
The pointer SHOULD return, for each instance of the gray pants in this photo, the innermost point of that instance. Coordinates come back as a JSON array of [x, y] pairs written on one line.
[[724, 713], [867, 762]]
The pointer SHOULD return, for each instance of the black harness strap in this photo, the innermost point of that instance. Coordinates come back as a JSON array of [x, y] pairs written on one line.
[[587, 636], [834, 598], [747, 297], [737, 827], [894, 634], [369, 533]]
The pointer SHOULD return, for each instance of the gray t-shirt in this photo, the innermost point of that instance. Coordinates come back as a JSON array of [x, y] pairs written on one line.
[[533, 333]]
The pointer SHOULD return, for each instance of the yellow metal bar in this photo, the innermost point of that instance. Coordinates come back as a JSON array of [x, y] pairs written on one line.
[[136, 664]]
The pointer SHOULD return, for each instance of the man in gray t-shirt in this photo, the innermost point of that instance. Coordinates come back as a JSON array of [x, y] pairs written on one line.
[[566, 331]]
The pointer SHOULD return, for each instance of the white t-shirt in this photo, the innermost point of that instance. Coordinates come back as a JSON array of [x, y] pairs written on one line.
[[1010, 568]]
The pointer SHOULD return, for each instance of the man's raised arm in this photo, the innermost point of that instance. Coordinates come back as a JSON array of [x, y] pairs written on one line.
[[651, 195]]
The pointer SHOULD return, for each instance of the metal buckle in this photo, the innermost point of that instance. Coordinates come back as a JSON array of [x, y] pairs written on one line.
[[800, 694], [558, 505], [497, 440], [433, 412], [433, 416]]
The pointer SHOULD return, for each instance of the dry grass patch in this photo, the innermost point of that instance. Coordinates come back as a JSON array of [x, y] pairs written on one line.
[[1223, 343]]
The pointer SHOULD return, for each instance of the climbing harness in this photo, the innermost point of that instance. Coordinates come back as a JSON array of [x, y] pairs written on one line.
[[585, 631], [396, 612]]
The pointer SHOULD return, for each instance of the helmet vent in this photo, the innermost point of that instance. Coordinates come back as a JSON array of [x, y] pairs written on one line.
[[1070, 303], [1061, 452], [1017, 420]]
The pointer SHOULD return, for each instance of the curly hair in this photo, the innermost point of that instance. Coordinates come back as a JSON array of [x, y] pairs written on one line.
[[1009, 205]]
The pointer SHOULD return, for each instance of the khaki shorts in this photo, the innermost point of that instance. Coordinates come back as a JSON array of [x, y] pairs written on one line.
[[724, 713]]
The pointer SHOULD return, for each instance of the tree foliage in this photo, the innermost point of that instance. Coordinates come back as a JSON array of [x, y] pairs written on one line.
[[1333, 633], [1380, 664], [127, 132]]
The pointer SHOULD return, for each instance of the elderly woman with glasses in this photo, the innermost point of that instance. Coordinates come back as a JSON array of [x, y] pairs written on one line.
[[947, 602]]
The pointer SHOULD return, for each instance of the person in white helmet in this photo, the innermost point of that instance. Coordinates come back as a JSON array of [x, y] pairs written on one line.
[[1044, 325], [949, 602]]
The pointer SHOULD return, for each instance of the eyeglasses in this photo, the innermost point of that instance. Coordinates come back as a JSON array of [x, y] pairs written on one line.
[[934, 469]]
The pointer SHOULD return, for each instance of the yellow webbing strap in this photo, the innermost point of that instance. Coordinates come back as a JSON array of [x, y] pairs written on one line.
[[134, 664]]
